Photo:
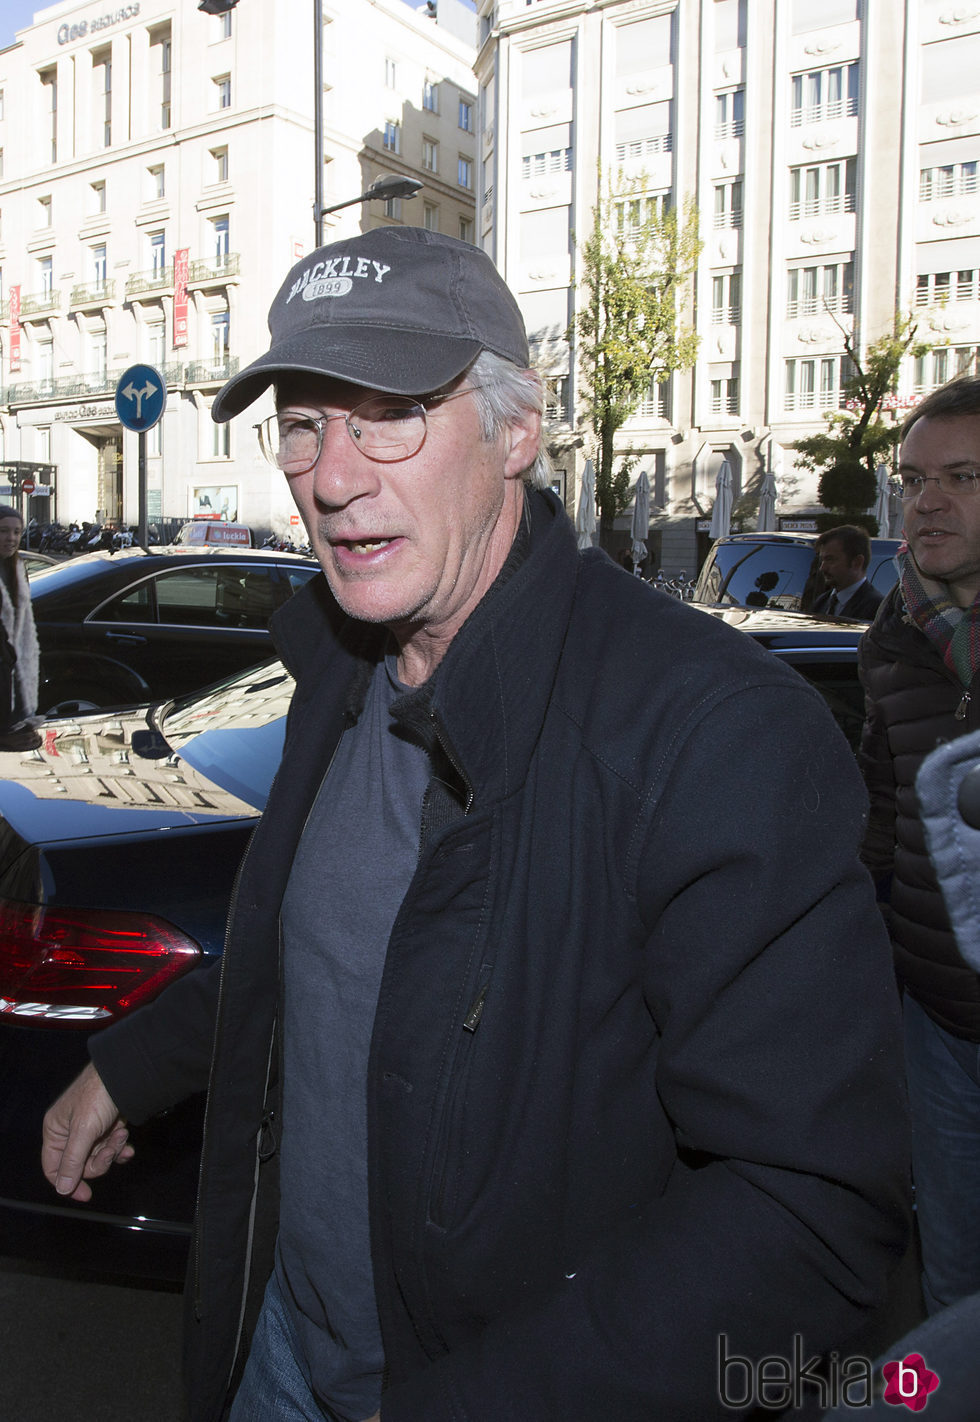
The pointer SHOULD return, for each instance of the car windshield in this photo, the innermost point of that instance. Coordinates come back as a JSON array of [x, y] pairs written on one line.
[[750, 574], [233, 735]]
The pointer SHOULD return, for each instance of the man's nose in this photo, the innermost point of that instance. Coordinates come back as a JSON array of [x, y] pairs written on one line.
[[342, 473], [930, 496]]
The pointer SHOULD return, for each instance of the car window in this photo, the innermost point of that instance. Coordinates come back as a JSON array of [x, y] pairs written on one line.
[[299, 576], [838, 684], [762, 574], [136, 605]]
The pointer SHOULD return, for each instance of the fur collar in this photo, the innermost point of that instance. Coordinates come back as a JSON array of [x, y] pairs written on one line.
[[18, 623]]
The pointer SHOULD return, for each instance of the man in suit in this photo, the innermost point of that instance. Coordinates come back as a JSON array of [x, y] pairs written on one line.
[[843, 555]]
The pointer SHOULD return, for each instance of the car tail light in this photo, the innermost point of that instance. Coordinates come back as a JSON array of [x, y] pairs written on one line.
[[78, 967]]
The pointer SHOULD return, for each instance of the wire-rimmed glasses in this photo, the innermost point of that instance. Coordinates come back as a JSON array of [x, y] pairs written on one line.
[[384, 427], [950, 481]]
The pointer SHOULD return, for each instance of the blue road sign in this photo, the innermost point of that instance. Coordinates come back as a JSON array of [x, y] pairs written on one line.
[[141, 397]]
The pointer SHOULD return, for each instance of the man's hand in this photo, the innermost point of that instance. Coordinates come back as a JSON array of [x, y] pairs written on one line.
[[83, 1134]]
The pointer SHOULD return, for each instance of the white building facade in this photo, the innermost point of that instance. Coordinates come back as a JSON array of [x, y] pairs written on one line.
[[156, 183], [832, 151]]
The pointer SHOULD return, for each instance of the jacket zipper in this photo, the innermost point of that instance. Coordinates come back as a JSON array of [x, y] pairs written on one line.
[[961, 711]]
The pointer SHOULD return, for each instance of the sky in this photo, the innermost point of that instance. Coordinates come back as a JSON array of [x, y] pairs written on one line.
[[14, 15]]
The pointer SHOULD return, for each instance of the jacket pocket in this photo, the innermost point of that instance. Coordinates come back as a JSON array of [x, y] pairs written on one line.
[[447, 1160]]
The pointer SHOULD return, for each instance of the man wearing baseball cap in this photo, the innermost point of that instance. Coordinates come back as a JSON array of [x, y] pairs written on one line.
[[540, 1081]]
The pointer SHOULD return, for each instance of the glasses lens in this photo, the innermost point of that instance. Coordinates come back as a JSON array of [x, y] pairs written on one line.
[[387, 427], [959, 481], [290, 442]]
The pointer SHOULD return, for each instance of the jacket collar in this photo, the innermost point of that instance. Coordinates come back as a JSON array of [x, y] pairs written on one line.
[[487, 700]]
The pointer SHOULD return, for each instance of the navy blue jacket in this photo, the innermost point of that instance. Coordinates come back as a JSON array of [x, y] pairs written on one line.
[[635, 1076]]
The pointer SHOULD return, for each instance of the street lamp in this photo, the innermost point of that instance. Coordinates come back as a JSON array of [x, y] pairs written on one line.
[[217, 7], [392, 186]]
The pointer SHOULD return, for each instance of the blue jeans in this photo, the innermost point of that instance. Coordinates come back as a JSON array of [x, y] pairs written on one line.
[[273, 1384], [944, 1095]]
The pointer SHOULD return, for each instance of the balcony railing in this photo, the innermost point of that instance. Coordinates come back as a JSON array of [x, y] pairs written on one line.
[[208, 372], [93, 293], [214, 268], [821, 206], [104, 383], [159, 279], [40, 301], [730, 315], [817, 305], [644, 147]]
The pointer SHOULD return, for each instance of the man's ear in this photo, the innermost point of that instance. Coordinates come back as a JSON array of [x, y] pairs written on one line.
[[522, 441]]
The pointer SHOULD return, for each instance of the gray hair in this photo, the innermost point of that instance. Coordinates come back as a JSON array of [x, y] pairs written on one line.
[[507, 393]]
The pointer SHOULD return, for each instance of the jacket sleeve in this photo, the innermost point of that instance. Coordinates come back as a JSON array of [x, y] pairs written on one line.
[[875, 761], [162, 1053], [768, 976]]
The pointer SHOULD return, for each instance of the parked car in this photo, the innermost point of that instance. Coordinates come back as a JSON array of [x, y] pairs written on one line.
[[35, 562], [119, 629], [778, 570], [119, 843], [215, 531]]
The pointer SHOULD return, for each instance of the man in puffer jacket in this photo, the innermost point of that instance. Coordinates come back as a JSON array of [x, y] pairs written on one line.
[[920, 665]]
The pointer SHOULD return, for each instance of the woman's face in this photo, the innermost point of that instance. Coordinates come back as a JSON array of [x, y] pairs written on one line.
[[10, 532]]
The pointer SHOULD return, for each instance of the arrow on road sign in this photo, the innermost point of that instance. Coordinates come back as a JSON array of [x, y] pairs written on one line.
[[131, 393]]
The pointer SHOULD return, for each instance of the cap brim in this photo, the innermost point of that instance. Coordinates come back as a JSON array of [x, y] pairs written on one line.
[[398, 362]]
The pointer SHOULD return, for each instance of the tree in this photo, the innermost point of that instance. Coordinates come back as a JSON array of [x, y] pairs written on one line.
[[857, 439], [635, 266]]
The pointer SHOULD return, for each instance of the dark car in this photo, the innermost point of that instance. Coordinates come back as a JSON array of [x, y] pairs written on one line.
[[778, 570], [120, 629], [119, 843]]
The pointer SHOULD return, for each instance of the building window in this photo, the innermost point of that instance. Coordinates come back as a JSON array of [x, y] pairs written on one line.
[[219, 337], [644, 131], [49, 79], [728, 204], [220, 170], [221, 440], [810, 290], [165, 61], [99, 265], [823, 189], [936, 367], [730, 114], [392, 136], [655, 403], [952, 180], [393, 207], [465, 230], [547, 150], [97, 356], [154, 440], [391, 74], [97, 199], [223, 25], [430, 217], [44, 217], [157, 186], [466, 116], [219, 240], [156, 342], [430, 96], [464, 172], [556, 393], [815, 384], [824, 94], [158, 252], [633, 214], [222, 90], [726, 299], [45, 361], [430, 155], [102, 63], [936, 288], [724, 396], [45, 275]]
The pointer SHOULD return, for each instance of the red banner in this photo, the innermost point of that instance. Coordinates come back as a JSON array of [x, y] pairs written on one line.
[[180, 296], [15, 328]]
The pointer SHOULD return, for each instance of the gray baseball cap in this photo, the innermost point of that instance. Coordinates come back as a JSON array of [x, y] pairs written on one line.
[[399, 309]]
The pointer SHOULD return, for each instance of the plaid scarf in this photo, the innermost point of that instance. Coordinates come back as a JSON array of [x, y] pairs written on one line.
[[953, 630]]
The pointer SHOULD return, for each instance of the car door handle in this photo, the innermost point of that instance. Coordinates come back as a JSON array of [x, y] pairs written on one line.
[[126, 639]]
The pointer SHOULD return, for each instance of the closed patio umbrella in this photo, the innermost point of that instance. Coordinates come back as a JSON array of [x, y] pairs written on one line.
[[721, 514], [640, 528], [585, 521]]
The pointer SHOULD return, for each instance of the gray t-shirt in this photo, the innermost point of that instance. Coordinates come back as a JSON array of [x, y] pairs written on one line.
[[354, 863]]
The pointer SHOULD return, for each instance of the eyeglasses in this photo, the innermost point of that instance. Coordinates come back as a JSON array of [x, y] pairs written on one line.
[[384, 427], [956, 481]]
